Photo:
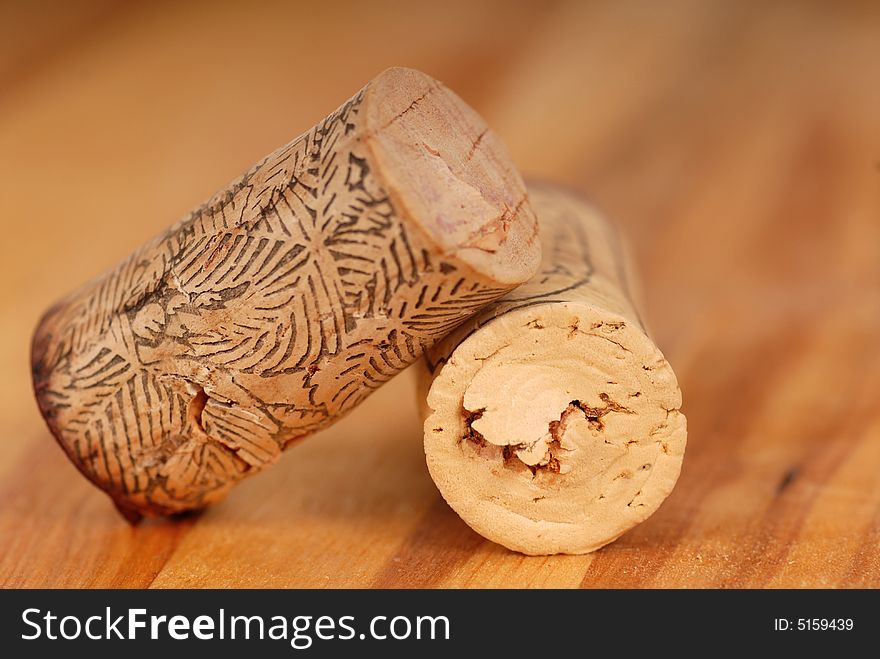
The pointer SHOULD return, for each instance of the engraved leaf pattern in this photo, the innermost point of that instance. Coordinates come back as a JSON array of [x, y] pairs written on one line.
[[269, 311]]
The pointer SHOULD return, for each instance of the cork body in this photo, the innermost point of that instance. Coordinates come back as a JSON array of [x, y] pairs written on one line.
[[282, 302], [552, 421]]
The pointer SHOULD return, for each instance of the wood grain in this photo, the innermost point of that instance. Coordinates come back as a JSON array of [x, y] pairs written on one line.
[[737, 149]]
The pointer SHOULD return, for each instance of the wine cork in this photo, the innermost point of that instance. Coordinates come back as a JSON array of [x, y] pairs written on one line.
[[552, 422], [281, 303]]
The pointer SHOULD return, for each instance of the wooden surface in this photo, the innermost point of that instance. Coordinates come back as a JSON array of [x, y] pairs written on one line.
[[739, 151]]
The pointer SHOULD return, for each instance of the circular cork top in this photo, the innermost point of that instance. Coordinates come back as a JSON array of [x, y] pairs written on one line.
[[451, 175], [555, 428]]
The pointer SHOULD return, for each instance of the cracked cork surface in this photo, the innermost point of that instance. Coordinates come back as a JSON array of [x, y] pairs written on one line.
[[552, 422], [284, 301]]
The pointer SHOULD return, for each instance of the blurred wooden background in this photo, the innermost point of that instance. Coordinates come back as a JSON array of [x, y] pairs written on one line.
[[738, 144]]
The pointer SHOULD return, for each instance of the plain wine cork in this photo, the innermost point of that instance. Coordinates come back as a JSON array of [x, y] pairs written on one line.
[[552, 422], [281, 303]]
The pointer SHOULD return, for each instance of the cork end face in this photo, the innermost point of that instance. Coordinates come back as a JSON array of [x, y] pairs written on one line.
[[451, 175], [555, 429]]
